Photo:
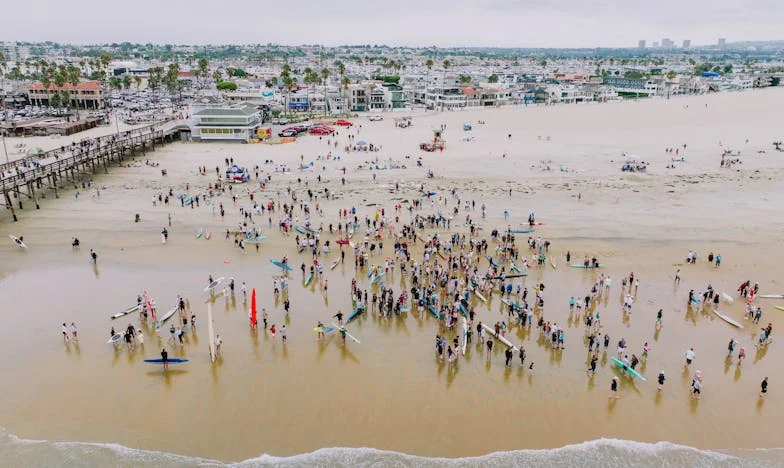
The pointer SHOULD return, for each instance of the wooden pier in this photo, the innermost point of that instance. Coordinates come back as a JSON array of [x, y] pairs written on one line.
[[34, 177]]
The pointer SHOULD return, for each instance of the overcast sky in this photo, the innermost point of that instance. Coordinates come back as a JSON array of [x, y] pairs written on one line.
[[504, 23]]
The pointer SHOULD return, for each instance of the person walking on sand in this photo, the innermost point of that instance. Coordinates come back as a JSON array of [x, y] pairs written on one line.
[[614, 388], [763, 388], [690, 356]]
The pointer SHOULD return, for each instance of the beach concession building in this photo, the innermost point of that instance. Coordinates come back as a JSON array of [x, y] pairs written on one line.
[[226, 123]]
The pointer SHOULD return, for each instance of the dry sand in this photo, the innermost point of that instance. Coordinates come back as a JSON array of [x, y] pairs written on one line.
[[390, 392]]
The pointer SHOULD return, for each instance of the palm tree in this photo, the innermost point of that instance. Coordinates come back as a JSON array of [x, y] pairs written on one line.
[[324, 77], [137, 81], [345, 82], [429, 63], [203, 72]]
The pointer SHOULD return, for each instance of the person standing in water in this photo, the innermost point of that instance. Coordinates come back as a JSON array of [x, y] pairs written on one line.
[[764, 387], [614, 388], [661, 380], [165, 358]]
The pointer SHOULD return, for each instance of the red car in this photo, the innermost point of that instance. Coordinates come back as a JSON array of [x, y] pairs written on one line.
[[344, 123], [320, 131]]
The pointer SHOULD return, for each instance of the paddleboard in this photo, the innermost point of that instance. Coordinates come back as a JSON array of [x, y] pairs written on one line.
[[280, 265], [629, 370], [169, 361], [772, 296], [299, 229], [165, 317], [433, 311], [214, 284], [347, 333], [462, 309], [520, 231], [465, 336], [552, 262], [334, 264], [256, 240], [18, 242], [308, 279], [324, 329], [479, 295], [127, 311], [516, 307], [580, 265], [727, 319], [199, 233], [492, 262], [115, 339], [356, 313], [377, 278], [211, 333], [498, 337], [780, 307]]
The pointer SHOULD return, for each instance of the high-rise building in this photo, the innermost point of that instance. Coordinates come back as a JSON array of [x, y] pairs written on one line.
[[655, 44], [686, 44], [722, 43], [8, 49], [641, 44], [666, 43]]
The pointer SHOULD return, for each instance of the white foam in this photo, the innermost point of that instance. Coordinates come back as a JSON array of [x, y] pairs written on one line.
[[15, 451]]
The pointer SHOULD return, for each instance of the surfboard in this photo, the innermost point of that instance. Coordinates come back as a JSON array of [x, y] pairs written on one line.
[[462, 309], [18, 242], [165, 317], [479, 295], [552, 262], [580, 265], [334, 264], [433, 311], [779, 307], [772, 296], [324, 329], [629, 370], [520, 231], [211, 333], [127, 311], [280, 265], [465, 336], [727, 298], [214, 284], [308, 279], [377, 278], [516, 307], [498, 337], [199, 232], [256, 240], [728, 319], [355, 314], [347, 333], [169, 361], [115, 339]]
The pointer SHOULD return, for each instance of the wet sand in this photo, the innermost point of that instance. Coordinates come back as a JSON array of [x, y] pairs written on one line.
[[390, 392]]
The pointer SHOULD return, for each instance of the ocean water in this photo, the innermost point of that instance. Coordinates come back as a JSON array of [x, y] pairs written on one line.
[[15, 451]]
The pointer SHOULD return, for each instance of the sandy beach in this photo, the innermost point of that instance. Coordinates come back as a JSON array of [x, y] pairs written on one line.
[[390, 392]]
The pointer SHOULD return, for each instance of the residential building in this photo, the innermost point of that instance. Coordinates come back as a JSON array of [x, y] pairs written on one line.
[[395, 96], [722, 44], [225, 123], [667, 43], [85, 95], [445, 96], [378, 99], [686, 44]]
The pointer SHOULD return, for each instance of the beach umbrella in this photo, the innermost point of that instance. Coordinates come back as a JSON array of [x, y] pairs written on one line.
[[253, 311], [362, 143]]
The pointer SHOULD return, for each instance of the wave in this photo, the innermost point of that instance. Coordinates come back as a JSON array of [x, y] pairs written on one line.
[[15, 451]]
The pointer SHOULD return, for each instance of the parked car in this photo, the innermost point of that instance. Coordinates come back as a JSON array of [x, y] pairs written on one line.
[[344, 123], [321, 131], [288, 133], [376, 118]]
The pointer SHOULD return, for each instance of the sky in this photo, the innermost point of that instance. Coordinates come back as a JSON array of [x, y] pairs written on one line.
[[443, 23]]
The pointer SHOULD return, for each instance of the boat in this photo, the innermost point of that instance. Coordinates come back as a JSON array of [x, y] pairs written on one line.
[[628, 369], [580, 265], [308, 279], [18, 242], [199, 232], [343, 329], [211, 333], [125, 312], [433, 311], [214, 284], [771, 296], [356, 313], [168, 361], [498, 337], [165, 317], [280, 265], [728, 319]]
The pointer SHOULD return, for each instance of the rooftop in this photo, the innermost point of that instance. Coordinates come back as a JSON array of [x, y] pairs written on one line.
[[239, 110], [85, 85]]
